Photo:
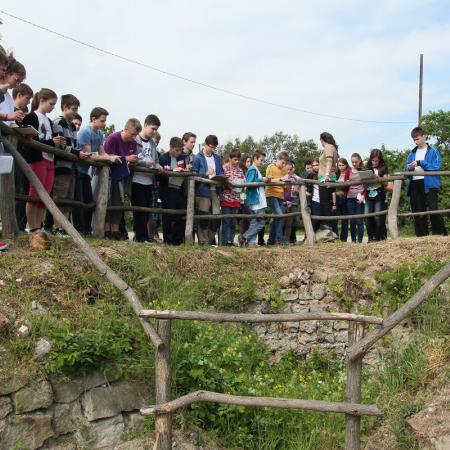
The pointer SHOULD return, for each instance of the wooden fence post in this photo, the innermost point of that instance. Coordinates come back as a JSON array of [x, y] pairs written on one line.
[[306, 217], [190, 210], [163, 424], [353, 389], [99, 216], [393, 209], [8, 199]]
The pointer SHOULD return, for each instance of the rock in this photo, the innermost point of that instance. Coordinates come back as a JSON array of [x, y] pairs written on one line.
[[23, 331], [67, 417], [102, 433], [5, 407], [299, 308], [42, 349], [108, 401], [36, 307], [318, 291], [304, 293], [133, 421], [68, 392], [289, 295], [319, 276], [284, 281], [14, 383], [325, 235], [4, 322], [308, 326], [341, 337], [340, 325], [26, 431], [36, 395]]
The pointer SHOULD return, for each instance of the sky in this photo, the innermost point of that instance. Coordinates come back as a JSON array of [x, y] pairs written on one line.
[[347, 58]]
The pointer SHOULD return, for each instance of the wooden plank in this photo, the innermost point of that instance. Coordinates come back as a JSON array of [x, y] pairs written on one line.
[[190, 211], [101, 203], [306, 217], [393, 209]]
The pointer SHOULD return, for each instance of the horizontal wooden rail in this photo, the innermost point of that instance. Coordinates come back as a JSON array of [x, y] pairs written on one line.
[[424, 213], [62, 202], [255, 318], [272, 402], [351, 216], [170, 212]]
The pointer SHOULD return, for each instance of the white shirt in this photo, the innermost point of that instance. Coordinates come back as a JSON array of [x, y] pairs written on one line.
[[420, 156], [7, 107], [147, 151], [211, 163], [261, 195], [45, 133], [315, 196]]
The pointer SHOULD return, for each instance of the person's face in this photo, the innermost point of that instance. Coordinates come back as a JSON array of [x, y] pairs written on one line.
[[291, 169], [14, 79], [157, 139], [3, 71], [341, 166], [47, 106], [258, 162], [22, 101], [280, 163], [234, 161], [189, 144], [356, 163], [420, 141], [375, 161], [99, 123], [69, 112], [209, 149], [77, 124], [149, 131], [248, 162], [308, 168], [175, 151], [129, 134], [315, 167]]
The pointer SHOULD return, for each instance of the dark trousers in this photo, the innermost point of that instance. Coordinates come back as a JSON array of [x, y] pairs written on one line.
[[326, 203], [22, 186], [82, 218], [341, 210], [376, 226], [315, 211], [173, 226], [356, 225], [141, 195], [423, 201]]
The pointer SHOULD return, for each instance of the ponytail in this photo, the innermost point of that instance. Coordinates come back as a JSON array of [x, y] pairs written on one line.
[[42, 95]]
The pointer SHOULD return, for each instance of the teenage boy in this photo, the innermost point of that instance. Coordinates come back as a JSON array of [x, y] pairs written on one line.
[[123, 145], [207, 164], [143, 183], [90, 141], [172, 193], [256, 199], [189, 140], [308, 169], [77, 121], [277, 172], [424, 190], [22, 95]]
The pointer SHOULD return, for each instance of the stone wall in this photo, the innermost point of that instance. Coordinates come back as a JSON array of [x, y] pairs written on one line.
[[88, 412]]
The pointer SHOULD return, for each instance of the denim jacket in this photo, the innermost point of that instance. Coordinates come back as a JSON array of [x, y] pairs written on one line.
[[200, 167]]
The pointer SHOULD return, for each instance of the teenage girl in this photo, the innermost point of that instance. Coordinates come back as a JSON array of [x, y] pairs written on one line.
[[355, 199]]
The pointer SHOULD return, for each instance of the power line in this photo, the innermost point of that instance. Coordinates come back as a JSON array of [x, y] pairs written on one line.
[[198, 83]]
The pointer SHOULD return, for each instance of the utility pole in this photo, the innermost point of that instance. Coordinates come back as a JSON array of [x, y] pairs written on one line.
[[420, 88]]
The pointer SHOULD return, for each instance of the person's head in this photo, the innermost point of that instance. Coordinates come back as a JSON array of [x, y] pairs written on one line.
[[357, 162], [282, 159], [308, 166], [235, 157], [210, 145], [376, 158], [22, 95], [419, 136], [342, 165], [258, 158], [15, 73], [290, 166], [44, 101], [189, 140], [98, 118], [157, 138], [5, 59], [69, 106], [327, 138], [315, 166], [131, 129], [175, 146], [77, 121], [151, 125]]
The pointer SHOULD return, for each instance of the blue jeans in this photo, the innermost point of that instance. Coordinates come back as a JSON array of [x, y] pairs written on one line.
[[276, 229], [255, 226], [356, 225], [376, 226], [341, 210], [228, 225]]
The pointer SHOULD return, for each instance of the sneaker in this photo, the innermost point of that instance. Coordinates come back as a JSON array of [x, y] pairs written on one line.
[[116, 235], [242, 241], [108, 235], [60, 232], [3, 246]]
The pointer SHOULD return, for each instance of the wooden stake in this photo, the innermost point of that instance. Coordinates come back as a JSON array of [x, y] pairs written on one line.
[[190, 211], [393, 209], [306, 217], [99, 215]]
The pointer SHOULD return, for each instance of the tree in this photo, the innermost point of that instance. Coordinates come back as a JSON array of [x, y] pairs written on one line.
[[437, 126]]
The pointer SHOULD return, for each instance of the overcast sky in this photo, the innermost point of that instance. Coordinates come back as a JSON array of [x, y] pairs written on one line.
[[349, 58]]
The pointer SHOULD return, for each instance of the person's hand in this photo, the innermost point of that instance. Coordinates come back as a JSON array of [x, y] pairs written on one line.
[[177, 169], [132, 159], [149, 163], [58, 141], [115, 159], [84, 155], [210, 172], [284, 177], [360, 200], [267, 179], [16, 115], [412, 165], [333, 208]]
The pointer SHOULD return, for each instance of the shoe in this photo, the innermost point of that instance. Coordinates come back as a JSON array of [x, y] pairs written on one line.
[[3, 246], [116, 236], [60, 232], [108, 235], [242, 241]]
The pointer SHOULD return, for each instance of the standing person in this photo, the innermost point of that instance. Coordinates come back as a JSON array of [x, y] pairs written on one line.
[[256, 199], [423, 190], [376, 198], [207, 164], [122, 144], [143, 183], [189, 140], [340, 204], [276, 172], [64, 184], [230, 201], [327, 173], [313, 193], [291, 201], [355, 199], [308, 169], [246, 162], [12, 74], [172, 193], [41, 163], [90, 142]]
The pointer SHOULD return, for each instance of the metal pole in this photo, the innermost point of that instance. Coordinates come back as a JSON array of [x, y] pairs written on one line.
[[420, 88]]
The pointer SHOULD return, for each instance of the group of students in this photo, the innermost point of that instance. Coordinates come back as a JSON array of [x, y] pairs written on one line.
[[136, 146]]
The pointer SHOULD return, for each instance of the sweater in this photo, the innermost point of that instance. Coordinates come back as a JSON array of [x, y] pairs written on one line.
[[275, 191]]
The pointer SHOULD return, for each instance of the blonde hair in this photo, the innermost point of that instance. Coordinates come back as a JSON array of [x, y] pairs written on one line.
[[43, 95], [133, 124]]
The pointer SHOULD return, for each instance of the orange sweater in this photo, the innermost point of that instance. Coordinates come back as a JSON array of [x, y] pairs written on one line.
[[276, 173]]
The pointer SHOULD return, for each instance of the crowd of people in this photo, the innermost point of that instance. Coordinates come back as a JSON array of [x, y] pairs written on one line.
[[137, 146]]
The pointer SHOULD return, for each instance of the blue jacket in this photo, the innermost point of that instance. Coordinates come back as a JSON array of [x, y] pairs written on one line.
[[252, 192], [431, 162], [200, 167]]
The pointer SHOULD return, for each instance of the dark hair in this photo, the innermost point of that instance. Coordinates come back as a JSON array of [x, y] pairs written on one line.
[[382, 166], [235, 153], [315, 160], [257, 154], [151, 119], [211, 139], [357, 155], [308, 162], [68, 100], [22, 89], [328, 138], [97, 112], [283, 156], [418, 131], [15, 66], [4, 59], [188, 135], [176, 142], [43, 95], [78, 117]]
